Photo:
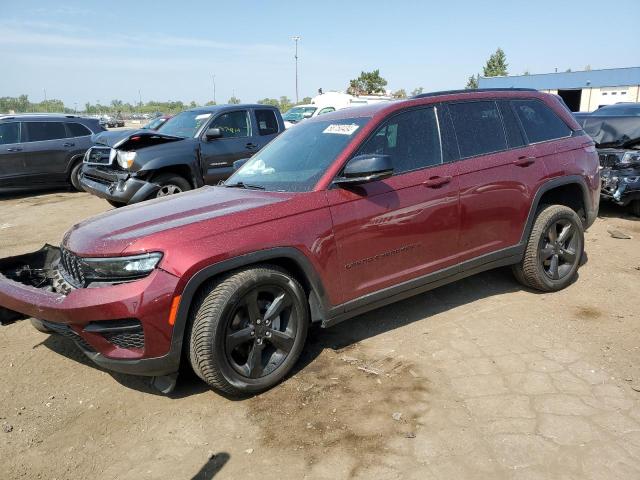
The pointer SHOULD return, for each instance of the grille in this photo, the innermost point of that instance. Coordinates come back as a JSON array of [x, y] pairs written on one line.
[[608, 159], [72, 268], [99, 156], [67, 332], [126, 339]]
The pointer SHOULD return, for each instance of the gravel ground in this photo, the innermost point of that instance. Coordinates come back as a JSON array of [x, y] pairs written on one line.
[[478, 379]]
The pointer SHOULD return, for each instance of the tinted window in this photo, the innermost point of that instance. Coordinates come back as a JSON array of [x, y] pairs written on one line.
[[40, 131], [411, 139], [511, 126], [9, 133], [233, 124], [77, 130], [478, 128], [267, 122], [539, 121]]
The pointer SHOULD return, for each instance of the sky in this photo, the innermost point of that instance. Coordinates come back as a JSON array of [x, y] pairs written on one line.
[[89, 51]]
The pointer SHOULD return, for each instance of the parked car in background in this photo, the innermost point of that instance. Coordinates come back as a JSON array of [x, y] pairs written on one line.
[[157, 122], [196, 147], [342, 214], [38, 151], [616, 131]]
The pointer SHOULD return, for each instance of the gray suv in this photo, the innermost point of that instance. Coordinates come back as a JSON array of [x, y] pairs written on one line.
[[41, 151]]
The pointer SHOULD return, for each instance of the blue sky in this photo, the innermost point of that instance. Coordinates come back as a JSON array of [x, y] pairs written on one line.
[[87, 51]]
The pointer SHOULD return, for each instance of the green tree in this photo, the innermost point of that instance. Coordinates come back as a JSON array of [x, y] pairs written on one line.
[[367, 83], [399, 93], [210, 103], [269, 101], [417, 91], [192, 104], [472, 82], [305, 100], [285, 103], [496, 65], [233, 100]]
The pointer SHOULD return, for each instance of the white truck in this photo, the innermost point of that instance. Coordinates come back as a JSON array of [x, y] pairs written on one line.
[[328, 102]]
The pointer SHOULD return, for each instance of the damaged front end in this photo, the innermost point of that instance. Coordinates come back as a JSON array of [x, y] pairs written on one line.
[[113, 170], [620, 175]]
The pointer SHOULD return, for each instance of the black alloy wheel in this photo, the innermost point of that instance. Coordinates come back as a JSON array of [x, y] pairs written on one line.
[[558, 253]]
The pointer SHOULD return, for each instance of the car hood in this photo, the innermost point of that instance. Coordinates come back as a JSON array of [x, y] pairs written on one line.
[[128, 228], [132, 139], [612, 131]]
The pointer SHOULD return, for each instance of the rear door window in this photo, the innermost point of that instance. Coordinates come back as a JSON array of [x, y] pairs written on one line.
[[9, 133], [411, 139], [540, 123], [512, 128], [233, 124], [77, 130], [267, 122], [478, 128], [41, 131]]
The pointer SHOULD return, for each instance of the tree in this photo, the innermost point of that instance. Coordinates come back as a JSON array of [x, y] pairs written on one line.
[[192, 104], [210, 103], [305, 100], [472, 83], [496, 65], [399, 93], [368, 83], [417, 91], [285, 103], [269, 101], [233, 100]]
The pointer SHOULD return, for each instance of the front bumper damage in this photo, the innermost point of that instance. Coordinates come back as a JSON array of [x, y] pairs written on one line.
[[620, 186], [119, 187], [115, 325]]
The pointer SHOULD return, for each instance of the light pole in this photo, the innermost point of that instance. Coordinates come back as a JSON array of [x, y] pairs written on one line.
[[45, 99], [296, 39], [213, 78], [139, 101]]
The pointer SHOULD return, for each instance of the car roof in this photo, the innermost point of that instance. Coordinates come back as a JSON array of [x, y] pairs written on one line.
[[42, 116], [224, 107]]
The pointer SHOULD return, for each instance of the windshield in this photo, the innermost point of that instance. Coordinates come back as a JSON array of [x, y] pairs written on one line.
[[295, 161], [185, 124], [296, 114]]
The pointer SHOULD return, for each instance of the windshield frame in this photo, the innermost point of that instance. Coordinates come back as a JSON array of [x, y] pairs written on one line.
[[198, 131], [352, 142]]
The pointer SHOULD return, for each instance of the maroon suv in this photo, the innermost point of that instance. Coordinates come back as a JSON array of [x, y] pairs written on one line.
[[342, 214]]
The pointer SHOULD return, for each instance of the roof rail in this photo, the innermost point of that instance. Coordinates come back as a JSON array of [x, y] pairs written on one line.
[[473, 90]]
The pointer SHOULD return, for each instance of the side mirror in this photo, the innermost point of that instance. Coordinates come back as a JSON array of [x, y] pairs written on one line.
[[213, 133], [365, 169], [238, 163]]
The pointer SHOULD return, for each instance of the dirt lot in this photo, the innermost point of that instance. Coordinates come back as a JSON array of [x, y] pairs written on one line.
[[478, 379]]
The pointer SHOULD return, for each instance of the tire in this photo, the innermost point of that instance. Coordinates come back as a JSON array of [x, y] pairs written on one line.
[[553, 251], [231, 326], [170, 184], [74, 178], [115, 204], [634, 208]]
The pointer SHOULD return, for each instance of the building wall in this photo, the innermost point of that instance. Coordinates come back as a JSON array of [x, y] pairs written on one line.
[[592, 98]]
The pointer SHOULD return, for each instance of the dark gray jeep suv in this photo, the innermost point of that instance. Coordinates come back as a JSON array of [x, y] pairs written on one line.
[[38, 151]]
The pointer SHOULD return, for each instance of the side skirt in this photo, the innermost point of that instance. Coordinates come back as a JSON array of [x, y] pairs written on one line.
[[371, 301]]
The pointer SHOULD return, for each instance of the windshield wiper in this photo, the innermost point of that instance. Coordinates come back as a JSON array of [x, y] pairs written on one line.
[[244, 185]]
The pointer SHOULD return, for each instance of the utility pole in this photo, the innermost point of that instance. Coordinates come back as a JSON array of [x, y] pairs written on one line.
[[213, 77], [139, 101], [45, 99], [296, 39]]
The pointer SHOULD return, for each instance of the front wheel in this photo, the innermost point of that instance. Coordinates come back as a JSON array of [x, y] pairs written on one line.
[[74, 177], [170, 184], [554, 250], [248, 330]]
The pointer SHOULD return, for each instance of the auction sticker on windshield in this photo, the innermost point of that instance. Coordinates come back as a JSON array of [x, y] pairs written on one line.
[[341, 129]]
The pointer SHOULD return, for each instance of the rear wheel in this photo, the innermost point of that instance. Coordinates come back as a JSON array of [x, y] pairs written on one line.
[[553, 251], [170, 184], [74, 177], [248, 330], [634, 208]]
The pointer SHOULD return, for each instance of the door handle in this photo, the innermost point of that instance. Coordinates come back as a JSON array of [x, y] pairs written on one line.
[[436, 182], [251, 146], [14, 149], [68, 144], [524, 161]]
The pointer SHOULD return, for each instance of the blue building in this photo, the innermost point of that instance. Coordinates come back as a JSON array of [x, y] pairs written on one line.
[[582, 91]]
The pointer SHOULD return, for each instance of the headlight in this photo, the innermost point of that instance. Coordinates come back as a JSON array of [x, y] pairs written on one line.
[[125, 159], [120, 268], [630, 157]]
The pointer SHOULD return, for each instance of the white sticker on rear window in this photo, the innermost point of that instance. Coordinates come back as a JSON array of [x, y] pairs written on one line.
[[341, 129], [203, 115]]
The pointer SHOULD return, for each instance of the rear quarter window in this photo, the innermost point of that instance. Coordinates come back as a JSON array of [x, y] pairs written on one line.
[[267, 122], [539, 122], [478, 127], [77, 130]]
